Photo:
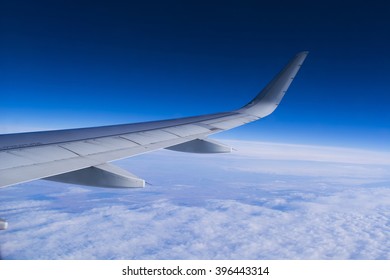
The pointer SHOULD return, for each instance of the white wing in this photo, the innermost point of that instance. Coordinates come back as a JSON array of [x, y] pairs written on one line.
[[81, 156]]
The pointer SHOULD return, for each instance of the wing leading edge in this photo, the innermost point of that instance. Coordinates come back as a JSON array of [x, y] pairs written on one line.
[[81, 156]]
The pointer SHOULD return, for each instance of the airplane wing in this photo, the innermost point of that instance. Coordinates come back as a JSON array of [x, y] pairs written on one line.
[[82, 156]]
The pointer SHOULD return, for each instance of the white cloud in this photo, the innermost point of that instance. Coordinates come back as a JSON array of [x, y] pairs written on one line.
[[279, 151], [210, 207], [227, 229]]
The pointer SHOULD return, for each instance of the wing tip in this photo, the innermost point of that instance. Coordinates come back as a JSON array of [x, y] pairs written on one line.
[[303, 53], [271, 95]]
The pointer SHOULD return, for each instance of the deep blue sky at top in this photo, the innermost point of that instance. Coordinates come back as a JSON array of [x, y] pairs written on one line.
[[86, 63]]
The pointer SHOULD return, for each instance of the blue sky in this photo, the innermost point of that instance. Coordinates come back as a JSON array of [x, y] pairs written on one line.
[[86, 63], [70, 64]]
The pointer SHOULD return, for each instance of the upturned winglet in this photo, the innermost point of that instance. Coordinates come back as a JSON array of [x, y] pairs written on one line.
[[269, 98]]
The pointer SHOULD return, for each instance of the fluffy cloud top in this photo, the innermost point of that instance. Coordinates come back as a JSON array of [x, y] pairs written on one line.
[[265, 201]]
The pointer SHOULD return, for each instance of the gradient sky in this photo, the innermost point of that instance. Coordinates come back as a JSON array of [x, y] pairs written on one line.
[[85, 63]]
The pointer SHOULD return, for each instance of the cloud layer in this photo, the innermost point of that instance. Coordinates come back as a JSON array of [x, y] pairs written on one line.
[[264, 201]]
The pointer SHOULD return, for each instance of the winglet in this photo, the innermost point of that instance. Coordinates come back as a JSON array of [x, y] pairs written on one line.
[[269, 98]]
